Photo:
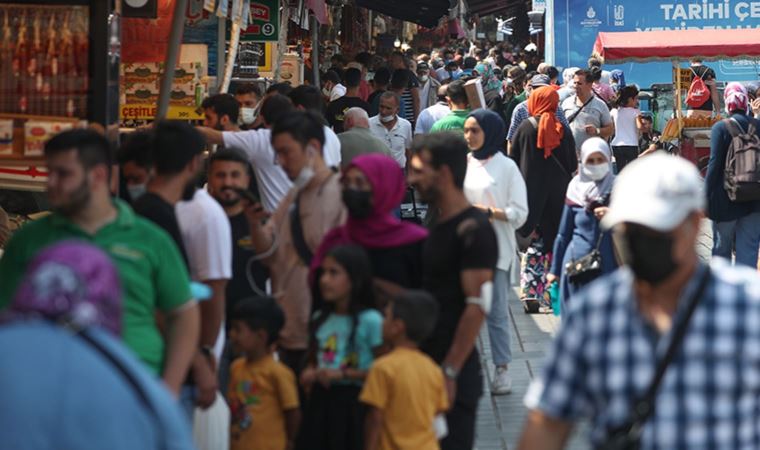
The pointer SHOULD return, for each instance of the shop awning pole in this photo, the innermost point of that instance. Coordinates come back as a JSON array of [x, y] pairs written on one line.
[[172, 55], [315, 49]]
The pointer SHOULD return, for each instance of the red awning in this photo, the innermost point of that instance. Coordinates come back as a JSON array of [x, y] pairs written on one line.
[[678, 44]]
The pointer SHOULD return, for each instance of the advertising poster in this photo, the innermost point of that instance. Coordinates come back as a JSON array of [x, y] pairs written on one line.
[[577, 23]]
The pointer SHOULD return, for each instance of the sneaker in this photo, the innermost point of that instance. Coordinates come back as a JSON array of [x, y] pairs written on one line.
[[502, 382]]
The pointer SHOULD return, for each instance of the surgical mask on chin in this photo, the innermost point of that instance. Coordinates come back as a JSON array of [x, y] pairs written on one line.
[[307, 173], [650, 256], [247, 115], [387, 119], [596, 171], [136, 191]]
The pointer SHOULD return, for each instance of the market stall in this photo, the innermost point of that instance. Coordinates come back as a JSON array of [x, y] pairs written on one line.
[[691, 133]]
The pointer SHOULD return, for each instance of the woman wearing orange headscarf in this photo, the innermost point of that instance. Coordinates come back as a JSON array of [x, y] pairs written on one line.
[[544, 150]]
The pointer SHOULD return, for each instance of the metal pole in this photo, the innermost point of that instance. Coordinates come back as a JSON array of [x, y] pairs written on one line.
[[221, 53], [172, 54], [315, 49]]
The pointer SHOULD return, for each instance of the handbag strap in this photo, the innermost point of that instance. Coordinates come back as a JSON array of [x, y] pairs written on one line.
[[574, 115], [645, 406], [533, 121], [296, 233]]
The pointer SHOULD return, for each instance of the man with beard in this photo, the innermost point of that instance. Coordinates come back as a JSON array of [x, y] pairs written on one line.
[[228, 171], [459, 257], [221, 112], [149, 265], [177, 152]]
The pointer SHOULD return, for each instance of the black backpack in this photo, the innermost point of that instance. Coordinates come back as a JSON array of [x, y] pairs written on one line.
[[742, 171]]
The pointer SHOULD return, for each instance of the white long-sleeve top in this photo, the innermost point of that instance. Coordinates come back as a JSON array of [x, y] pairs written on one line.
[[497, 182]]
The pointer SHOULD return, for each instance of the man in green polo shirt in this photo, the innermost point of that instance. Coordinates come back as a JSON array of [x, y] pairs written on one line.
[[460, 109], [153, 275]]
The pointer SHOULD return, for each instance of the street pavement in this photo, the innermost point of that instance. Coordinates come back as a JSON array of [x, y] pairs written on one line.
[[500, 418]]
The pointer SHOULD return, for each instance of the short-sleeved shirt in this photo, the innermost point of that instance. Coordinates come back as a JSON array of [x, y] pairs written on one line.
[[336, 110], [465, 241], [521, 114], [335, 348], [454, 121], [429, 116], [408, 387], [259, 394], [605, 355], [152, 272], [399, 138], [162, 213], [207, 236], [238, 288], [596, 113]]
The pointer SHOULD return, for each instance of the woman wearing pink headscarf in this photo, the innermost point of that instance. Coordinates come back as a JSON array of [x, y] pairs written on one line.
[[736, 225], [373, 187]]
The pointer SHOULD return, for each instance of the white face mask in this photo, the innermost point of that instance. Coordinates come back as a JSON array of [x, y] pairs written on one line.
[[136, 191], [247, 115], [387, 119], [596, 171], [307, 173], [326, 92], [424, 78]]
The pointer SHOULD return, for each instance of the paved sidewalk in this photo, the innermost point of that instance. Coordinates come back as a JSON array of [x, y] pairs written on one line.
[[500, 419]]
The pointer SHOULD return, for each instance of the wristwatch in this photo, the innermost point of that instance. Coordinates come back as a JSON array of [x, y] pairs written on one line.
[[490, 213], [598, 131], [207, 351], [450, 372]]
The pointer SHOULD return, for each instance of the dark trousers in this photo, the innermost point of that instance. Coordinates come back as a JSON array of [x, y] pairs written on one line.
[[462, 416], [333, 419], [624, 154]]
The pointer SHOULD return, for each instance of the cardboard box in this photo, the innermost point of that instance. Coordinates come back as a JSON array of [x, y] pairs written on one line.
[[475, 96], [37, 132], [6, 136]]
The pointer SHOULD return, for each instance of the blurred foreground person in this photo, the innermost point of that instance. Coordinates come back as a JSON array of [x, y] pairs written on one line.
[[66, 380], [663, 352]]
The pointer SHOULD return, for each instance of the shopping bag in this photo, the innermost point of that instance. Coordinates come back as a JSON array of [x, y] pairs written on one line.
[[211, 427]]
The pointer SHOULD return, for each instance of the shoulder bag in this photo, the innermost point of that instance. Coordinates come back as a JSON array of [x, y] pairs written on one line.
[[628, 436], [587, 267]]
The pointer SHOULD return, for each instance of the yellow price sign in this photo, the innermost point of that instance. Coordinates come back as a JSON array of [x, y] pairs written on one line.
[[148, 112], [686, 77]]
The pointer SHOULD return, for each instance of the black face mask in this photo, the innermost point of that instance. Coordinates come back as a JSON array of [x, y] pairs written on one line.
[[650, 256], [358, 203]]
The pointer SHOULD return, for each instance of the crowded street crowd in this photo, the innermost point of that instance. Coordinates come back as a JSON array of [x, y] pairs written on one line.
[[311, 267]]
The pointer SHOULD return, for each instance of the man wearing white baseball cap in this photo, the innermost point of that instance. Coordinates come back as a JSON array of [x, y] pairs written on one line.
[[664, 352]]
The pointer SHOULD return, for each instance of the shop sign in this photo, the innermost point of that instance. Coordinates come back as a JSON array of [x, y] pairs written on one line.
[[265, 21], [148, 112], [686, 77]]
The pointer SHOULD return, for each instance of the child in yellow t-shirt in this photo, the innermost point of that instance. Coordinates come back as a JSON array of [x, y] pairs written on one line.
[[262, 392], [405, 389]]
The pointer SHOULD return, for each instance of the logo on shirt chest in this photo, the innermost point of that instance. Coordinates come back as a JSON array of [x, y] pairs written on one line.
[[246, 243], [124, 252]]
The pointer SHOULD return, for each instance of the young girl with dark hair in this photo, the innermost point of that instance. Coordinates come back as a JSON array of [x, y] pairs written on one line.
[[346, 331]]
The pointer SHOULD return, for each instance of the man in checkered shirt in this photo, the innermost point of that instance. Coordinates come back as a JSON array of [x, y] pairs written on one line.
[[616, 330]]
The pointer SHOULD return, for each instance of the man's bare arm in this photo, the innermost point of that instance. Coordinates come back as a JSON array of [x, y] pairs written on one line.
[[212, 136], [541, 432], [183, 332]]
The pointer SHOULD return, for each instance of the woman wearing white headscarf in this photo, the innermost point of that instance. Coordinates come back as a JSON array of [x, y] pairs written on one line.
[[585, 205]]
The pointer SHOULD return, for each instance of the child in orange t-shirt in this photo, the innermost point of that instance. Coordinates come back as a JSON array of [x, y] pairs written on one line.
[[262, 392], [405, 389]]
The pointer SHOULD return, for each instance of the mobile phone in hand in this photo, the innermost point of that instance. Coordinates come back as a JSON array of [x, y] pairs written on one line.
[[246, 194]]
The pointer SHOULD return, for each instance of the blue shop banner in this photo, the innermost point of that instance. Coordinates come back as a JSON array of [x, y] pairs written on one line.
[[577, 23]]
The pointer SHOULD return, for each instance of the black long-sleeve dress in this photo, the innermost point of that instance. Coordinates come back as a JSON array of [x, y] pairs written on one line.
[[545, 178]]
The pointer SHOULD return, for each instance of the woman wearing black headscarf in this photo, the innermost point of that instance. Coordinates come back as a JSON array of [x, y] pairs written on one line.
[[494, 184]]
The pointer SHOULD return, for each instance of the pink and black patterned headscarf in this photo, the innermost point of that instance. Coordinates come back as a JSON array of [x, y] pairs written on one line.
[[73, 283], [736, 97]]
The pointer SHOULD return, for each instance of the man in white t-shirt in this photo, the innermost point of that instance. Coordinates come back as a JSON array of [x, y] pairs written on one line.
[[395, 131], [433, 113], [207, 237], [308, 98], [273, 183]]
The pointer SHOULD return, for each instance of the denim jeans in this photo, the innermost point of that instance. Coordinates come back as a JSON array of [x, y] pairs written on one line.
[[741, 235], [498, 319], [187, 397]]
